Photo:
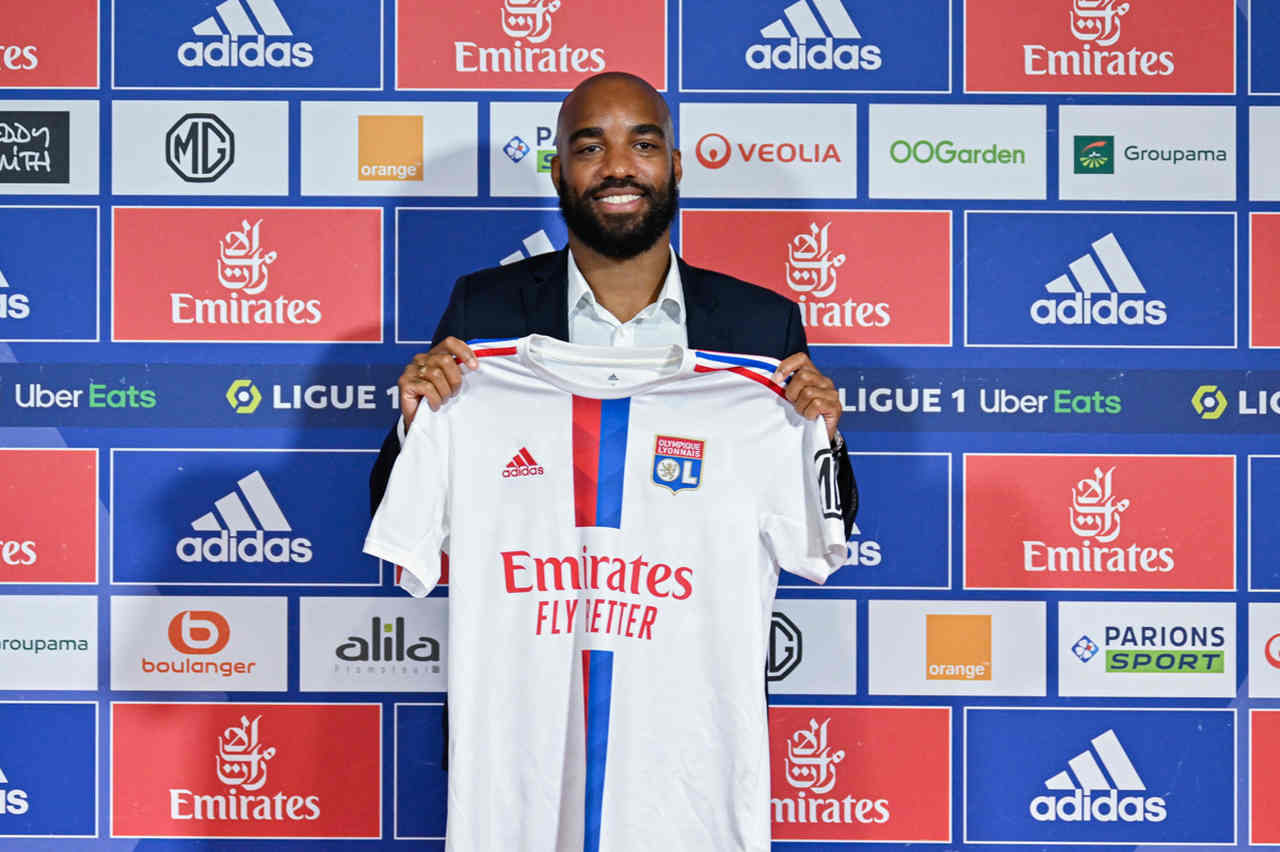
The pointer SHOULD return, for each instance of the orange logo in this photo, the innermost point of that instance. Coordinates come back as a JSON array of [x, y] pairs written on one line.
[[957, 647], [390, 147]]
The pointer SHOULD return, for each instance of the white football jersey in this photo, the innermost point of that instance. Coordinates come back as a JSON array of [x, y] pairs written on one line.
[[615, 520]]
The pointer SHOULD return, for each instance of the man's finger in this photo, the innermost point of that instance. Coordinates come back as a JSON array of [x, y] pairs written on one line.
[[436, 378], [789, 365], [452, 374], [459, 350]]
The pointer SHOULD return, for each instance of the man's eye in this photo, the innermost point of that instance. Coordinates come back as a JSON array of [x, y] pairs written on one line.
[[588, 149]]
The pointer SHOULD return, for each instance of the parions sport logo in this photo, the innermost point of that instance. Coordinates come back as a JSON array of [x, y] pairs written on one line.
[[1117, 522], [265, 274], [1136, 46], [525, 44], [844, 269], [246, 770]]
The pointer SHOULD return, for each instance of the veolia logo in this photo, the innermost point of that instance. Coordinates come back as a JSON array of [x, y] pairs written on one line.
[[713, 151]]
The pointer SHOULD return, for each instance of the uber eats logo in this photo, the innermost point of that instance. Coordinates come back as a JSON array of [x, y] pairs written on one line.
[[1095, 155]]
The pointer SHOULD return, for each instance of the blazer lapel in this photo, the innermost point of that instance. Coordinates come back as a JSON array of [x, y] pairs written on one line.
[[546, 296], [703, 323]]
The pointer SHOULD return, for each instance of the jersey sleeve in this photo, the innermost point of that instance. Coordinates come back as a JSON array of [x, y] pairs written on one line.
[[802, 523], [412, 522]]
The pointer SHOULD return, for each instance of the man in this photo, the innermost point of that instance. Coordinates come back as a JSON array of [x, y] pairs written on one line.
[[618, 282]]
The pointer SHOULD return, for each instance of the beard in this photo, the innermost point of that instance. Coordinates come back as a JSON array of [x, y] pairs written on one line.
[[620, 238]]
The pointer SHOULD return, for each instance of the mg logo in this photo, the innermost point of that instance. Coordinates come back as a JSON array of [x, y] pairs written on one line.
[[199, 147], [786, 648]]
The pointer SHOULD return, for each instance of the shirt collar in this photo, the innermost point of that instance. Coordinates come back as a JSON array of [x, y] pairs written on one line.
[[670, 297]]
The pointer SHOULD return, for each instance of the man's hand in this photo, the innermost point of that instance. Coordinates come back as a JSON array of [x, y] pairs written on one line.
[[433, 376], [809, 391]]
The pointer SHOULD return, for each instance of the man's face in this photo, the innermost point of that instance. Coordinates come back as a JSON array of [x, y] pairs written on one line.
[[615, 171]]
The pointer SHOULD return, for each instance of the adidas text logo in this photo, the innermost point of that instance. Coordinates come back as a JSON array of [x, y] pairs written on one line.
[[1090, 300], [536, 243], [238, 42], [797, 41], [13, 305], [522, 464], [1094, 798], [12, 801], [238, 538]]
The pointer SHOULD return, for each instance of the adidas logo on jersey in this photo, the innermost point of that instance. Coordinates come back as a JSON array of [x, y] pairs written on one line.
[[797, 41], [238, 537], [1090, 300], [535, 244], [1094, 798], [522, 464], [238, 42]]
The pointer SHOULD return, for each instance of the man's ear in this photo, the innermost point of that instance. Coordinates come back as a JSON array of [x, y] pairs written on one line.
[[676, 165], [555, 171]]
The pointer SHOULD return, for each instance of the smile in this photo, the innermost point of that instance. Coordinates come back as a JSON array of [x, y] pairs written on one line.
[[618, 199]]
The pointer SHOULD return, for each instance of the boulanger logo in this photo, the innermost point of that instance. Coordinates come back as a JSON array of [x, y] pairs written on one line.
[[1083, 792], [1090, 299], [957, 647], [715, 151], [1209, 402], [200, 631], [813, 34], [245, 33], [238, 537], [389, 147], [1095, 155], [243, 396]]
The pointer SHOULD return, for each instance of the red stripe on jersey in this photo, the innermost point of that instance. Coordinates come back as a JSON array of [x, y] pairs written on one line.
[[743, 371], [485, 353], [524, 454], [586, 459]]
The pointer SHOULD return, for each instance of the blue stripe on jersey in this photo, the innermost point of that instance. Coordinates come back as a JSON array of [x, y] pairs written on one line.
[[615, 415], [739, 360], [597, 673]]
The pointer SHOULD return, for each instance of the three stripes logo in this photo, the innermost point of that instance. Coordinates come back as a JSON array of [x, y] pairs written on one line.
[[813, 35], [535, 244], [236, 532], [248, 34], [1086, 297], [522, 464], [1089, 791]]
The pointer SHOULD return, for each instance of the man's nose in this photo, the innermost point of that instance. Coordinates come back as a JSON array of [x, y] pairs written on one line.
[[618, 162]]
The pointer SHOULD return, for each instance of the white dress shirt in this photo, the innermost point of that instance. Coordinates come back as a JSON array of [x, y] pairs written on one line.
[[661, 323]]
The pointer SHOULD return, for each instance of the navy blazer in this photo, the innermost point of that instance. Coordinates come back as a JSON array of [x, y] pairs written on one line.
[[532, 297]]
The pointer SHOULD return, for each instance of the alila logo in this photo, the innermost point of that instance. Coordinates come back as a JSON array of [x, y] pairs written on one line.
[[231, 39], [715, 151], [798, 42], [535, 244], [1096, 24], [12, 800], [527, 21], [1094, 514], [388, 642], [1086, 793], [242, 761], [1091, 300], [812, 269], [810, 767], [238, 537], [1095, 155], [244, 268]]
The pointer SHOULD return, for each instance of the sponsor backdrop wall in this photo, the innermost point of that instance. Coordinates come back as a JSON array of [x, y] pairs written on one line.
[[1036, 245]]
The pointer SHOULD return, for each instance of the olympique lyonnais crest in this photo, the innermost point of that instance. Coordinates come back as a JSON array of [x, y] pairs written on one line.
[[677, 462]]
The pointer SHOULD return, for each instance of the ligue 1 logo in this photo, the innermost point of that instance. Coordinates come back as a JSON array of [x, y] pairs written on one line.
[[677, 462]]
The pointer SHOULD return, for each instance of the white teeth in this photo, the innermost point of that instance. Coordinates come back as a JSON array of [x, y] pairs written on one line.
[[618, 199]]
